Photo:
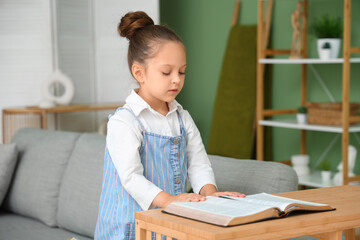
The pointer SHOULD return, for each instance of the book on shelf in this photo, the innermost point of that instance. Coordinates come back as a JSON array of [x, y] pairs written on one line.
[[229, 211]]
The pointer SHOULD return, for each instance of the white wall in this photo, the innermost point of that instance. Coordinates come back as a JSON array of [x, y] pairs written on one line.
[[74, 36], [113, 76], [25, 51], [113, 79], [80, 36]]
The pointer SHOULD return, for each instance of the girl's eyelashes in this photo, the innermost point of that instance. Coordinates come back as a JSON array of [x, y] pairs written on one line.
[[168, 73]]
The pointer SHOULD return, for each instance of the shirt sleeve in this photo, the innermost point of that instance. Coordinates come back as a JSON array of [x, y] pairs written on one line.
[[199, 167], [123, 142]]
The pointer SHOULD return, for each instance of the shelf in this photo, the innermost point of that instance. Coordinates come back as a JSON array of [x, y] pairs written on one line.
[[65, 108], [305, 61], [36, 117], [314, 180], [292, 123], [264, 26]]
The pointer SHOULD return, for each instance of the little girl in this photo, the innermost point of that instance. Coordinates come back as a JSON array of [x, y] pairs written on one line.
[[152, 145]]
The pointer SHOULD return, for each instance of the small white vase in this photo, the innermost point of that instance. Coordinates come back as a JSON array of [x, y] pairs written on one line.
[[69, 89], [300, 160], [338, 177], [301, 118], [326, 176], [46, 104], [325, 54], [300, 164], [301, 170], [334, 46]]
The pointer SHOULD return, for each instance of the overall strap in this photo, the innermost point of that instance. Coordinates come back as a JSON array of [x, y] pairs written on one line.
[[182, 126]]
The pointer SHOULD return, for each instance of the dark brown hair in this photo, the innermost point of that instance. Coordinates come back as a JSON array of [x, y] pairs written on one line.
[[143, 36]]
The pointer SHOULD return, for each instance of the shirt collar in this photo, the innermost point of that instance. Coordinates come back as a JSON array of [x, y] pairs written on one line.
[[137, 104]]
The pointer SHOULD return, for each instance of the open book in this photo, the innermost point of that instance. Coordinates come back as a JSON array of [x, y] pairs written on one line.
[[228, 211]]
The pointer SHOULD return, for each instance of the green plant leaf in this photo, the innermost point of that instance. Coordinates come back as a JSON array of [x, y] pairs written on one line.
[[302, 109], [325, 165], [327, 27]]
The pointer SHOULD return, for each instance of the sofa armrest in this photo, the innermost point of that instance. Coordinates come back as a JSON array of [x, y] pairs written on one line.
[[251, 176]]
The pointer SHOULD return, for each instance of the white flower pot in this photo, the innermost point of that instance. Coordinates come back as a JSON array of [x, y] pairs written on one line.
[[325, 54], [300, 164], [334, 46], [300, 160], [301, 118], [326, 176], [302, 170]]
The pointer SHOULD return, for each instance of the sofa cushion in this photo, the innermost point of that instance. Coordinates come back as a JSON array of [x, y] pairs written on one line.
[[43, 156], [251, 176], [17, 227], [8, 158], [81, 187]]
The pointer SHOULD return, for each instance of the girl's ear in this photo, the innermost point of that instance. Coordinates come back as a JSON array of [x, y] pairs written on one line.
[[138, 72]]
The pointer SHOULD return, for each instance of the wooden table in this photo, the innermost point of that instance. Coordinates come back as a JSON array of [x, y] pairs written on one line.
[[327, 225], [36, 117]]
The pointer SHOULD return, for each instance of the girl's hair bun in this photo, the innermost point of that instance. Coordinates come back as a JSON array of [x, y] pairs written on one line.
[[132, 22]]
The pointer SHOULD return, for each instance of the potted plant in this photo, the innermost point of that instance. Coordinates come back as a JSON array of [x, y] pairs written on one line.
[[325, 51], [301, 116], [300, 164], [325, 167], [328, 29]]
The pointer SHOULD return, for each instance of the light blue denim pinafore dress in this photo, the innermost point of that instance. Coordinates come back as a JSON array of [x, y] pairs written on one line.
[[165, 164]]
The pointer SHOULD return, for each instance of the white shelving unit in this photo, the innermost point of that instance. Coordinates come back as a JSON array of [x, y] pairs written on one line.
[[263, 52], [292, 124], [306, 61], [314, 180]]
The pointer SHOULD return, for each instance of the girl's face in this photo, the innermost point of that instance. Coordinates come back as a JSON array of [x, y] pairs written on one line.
[[162, 79]]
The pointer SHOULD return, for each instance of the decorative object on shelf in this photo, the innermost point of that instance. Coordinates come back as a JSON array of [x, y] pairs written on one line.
[[328, 29], [335, 46], [325, 51], [300, 164], [329, 113], [338, 178], [301, 116], [325, 166], [298, 21], [49, 99]]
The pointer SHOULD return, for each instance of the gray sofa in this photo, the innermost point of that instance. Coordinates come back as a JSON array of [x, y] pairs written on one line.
[[55, 189]]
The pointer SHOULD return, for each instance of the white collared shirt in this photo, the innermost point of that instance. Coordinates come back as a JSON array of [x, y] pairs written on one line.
[[124, 139]]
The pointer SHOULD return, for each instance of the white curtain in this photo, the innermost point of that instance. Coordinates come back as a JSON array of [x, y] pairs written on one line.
[[79, 37]]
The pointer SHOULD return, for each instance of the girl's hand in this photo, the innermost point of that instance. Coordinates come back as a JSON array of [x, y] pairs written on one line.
[[230, 194], [187, 197], [163, 199], [210, 190]]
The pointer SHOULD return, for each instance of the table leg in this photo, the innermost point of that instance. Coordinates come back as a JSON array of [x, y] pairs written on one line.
[[3, 127], [334, 235], [140, 233], [148, 235], [349, 234], [43, 120]]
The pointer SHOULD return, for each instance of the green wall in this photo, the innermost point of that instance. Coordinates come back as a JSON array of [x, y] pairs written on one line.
[[204, 26]]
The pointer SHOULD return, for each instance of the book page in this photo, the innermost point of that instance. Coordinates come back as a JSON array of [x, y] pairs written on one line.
[[274, 201], [226, 207]]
